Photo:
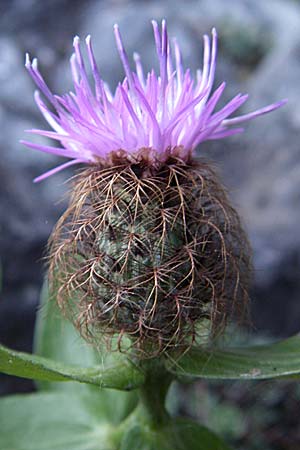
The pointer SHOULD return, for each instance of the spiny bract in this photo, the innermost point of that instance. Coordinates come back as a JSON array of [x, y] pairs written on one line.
[[150, 255]]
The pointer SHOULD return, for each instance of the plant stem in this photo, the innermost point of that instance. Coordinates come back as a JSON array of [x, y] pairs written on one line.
[[150, 411], [153, 394]]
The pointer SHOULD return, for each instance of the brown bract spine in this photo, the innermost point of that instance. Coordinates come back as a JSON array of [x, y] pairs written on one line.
[[150, 253]]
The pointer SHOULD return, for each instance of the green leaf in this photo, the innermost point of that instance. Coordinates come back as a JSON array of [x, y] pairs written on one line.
[[51, 421], [179, 434], [56, 338], [123, 376], [279, 360]]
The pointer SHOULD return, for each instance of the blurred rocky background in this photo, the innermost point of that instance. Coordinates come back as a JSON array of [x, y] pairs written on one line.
[[259, 53]]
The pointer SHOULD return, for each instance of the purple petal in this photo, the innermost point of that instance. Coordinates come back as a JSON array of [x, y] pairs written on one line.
[[51, 172], [254, 114]]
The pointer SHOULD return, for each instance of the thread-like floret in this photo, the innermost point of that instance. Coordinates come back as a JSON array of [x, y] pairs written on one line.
[[163, 112]]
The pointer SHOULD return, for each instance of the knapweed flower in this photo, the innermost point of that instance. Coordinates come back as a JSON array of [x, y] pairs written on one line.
[[149, 245]]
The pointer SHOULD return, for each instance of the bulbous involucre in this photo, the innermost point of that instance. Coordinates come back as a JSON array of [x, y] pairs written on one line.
[[150, 253]]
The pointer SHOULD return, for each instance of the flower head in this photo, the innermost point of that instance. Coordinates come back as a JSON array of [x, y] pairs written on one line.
[[149, 246], [159, 114]]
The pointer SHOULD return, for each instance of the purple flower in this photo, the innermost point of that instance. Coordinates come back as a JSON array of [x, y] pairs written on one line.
[[162, 113]]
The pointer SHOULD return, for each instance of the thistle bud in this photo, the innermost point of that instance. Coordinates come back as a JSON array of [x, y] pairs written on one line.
[[149, 252], [149, 246]]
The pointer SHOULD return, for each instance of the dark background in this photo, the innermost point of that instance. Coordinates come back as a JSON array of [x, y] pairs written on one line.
[[259, 53]]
